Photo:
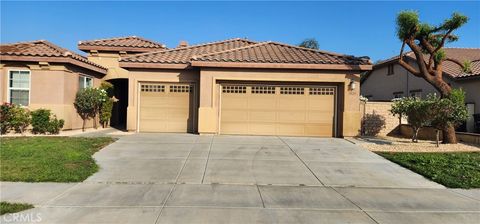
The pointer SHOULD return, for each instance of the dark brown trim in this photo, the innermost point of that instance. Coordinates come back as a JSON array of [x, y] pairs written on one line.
[[56, 60], [127, 49], [153, 65], [281, 65]]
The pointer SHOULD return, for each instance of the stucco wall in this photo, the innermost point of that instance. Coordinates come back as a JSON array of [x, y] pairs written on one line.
[[53, 87], [349, 113]]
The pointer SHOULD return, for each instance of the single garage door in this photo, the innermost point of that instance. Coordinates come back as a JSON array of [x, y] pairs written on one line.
[[166, 107], [278, 110]]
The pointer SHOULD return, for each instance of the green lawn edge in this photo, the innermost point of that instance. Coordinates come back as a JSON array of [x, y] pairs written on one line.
[[8, 207], [451, 169], [49, 159]]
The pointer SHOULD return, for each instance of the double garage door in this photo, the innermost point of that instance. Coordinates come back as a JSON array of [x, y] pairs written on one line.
[[247, 109], [166, 107], [278, 110]]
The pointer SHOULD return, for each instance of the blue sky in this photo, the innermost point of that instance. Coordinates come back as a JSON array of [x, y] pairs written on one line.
[[357, 28]]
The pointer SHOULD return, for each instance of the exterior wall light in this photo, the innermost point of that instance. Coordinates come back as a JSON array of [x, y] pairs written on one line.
[[352, 85]]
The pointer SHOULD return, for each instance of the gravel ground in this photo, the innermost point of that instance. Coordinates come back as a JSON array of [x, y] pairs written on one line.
[[395, 144]]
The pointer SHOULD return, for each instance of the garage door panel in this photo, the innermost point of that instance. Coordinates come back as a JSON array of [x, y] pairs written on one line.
[[235, 116], [262, 116], [262, 128], [166, 107], [277, 110]]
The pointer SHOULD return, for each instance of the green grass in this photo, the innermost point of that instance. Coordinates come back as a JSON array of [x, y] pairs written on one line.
[[49, 159], [454, 170], [7, 207]]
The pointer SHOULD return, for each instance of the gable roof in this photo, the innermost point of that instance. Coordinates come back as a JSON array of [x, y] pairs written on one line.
[[245, 53], [277, 55], [42, 50], [180, 57], [449, 68], [129, 44]]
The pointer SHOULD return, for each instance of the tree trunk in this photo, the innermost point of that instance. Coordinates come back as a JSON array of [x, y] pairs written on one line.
[[83, 125], [449, 136], [415, 134], [95, 122]]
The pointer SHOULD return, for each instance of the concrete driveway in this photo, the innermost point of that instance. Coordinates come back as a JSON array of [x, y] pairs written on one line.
[[182, 178]]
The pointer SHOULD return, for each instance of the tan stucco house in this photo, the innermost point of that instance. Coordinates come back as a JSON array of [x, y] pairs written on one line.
[[39, 74], [388, 80], [235, 86]]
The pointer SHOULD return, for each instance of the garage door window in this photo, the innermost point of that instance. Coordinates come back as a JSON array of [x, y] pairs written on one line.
[[263, 89], [322, 91], [292, 90], [234, 89], [152, 88], [180, 89]]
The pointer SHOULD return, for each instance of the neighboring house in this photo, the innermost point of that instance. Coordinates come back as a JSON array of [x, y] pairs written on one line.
[[235, 86], [39, 74], [388, 79]]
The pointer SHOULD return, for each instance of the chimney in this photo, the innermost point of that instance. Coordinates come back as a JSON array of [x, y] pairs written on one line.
[[183, 44]]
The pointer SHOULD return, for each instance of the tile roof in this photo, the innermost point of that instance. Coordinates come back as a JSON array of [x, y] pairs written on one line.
[[182, 55], [273, 52], [450, 68], [244, 51], [42, 50], [131, 43]]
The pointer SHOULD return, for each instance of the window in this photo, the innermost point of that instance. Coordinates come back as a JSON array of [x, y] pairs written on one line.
[[416, 93], [234, 89], [390, 69], [85, 82], [152, 88], [19, 87], [397, 94]]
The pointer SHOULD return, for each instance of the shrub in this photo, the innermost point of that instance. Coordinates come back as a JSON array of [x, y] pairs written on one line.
[[20, 119], [105, 110], [5, 117], [13, 117], [449, 111], [43, 121], [417, 111]]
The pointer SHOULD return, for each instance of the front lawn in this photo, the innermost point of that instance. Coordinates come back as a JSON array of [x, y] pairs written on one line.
[[49, 159], [452, 169], [7, 207]]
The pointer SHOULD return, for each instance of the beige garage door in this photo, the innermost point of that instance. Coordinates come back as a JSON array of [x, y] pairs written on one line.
[[278, 110], [166, 107]]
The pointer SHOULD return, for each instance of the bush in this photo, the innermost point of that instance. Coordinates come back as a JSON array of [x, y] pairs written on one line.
[[43, 121], [13, 117], [449, 111], [20, 119], [417, 111], [5, 117], [106, 112]]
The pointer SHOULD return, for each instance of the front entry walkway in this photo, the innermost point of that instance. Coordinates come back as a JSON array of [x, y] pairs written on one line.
[[182, 178]]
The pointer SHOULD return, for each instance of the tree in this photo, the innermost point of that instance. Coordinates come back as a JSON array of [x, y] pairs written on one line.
[[417, 111], [86, 104], [311, 43], [426, 42]]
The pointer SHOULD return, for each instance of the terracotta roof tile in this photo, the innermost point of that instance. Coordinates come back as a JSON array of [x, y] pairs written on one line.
[[43, 50], [183, 55], [131, 43], [272, 52], [450, 68]]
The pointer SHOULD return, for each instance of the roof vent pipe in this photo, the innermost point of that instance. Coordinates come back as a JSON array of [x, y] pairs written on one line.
[[183, 44]]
